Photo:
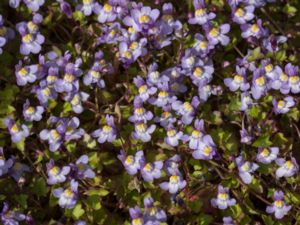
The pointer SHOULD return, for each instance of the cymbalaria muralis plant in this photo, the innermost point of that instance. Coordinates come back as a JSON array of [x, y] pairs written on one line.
[[149, 112]]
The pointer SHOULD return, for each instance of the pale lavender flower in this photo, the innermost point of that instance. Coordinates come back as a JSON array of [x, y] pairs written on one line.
[[253, 30], [245, 169], [143, 132], [201, 16], [136, 215], [55, 174], [25, 74], [31, 113], [171, 165], [107, 13], [68, 197], [152, 214], [10, 217], [228, 220], [283, 106], [243, 15], [186, 110], [197, 134], [259, 84], [246, 138], [108, 132], [76, 99], [239, 81], [5, 165], [173, 137], [17, 131], [88, 7], [34, 5], [278, 207], [217, 35], [287, 168], [267, 155], [175, 184], [140, 114], [151, 171], [223, 200], [163, 98], [201, 45], [246, 101], [206, 149], [81, 168], [166, 119], [144, 90], [130, 52]]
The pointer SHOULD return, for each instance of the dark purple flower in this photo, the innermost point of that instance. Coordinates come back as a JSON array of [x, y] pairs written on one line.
[[17, 171], [136, 215], [10, 217]]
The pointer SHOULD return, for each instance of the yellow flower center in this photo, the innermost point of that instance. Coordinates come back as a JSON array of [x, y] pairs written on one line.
[[144, 19], [68, 193], [137, 221], [198, 72], [148, 167], [75, 100], [187, 106], [54, 170], [265, 152], [207, 150], [55, 134], [260, 81], [245, 166], [112, 33], [46, 91], [69, 77], [214, 32], [200, 12], [268, 68], [284, 77], [171, 133], [281, 104], [141, 127], [28, 38], [87, 2], [174, 178], [162, 94], [139, 111], [196, 134], [289, 165], [134, 45], [107, 8], [23, 71], [32, 26], [127, 54], [142, 89], [238, 78], [95, 74], [168, 18], [254, 28], [166, 114], [15, 128], [223, 196], [294, 79], [130, 30], [30, 110], [129, 160], [107, 128], [3, 31], [203, 45], [239, 12], [51, 78], [278, 203]]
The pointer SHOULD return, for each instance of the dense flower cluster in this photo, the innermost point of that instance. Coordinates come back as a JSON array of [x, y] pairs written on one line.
[[166, 95]]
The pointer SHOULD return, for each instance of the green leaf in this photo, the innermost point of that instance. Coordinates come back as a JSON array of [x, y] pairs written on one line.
[[262, 141], [39, 187], [93, 202], [77, 211]]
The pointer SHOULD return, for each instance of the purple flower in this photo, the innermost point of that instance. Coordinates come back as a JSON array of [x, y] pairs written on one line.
[[10, 217], [217, 35], [88, 7], [107, 13], [44, 92], [175, 184], [141, 19], [131, 163], [173, 137], [239, 80], [245, 169], [65, 7], [253, 30], [34, 5], [25, 74], [228, 221], [269, 69], [5, 34], [166, 119], [14, 3], [294, 80], [259, 84], [267, 155], [130, 52], [31, 113], [67, 197], [186, 110], [223, 200], [55, 174], [163, 97], [201, 15], [66, 130], [201, 45], [246, 101], [197, 134], [152, 214], [108, 132], [206, 149], [245, 137], [243, 15], [278, 207], [271, 43], [283, 106], [5, 165], [136, 215], [204, 92], [76, 99], [17, 171], [171, 165], [202, 73], [287, 168], [140, 113], [142, 132], [144, 90], [94, 76], [16, 131], [151, 171], [82, 169]]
